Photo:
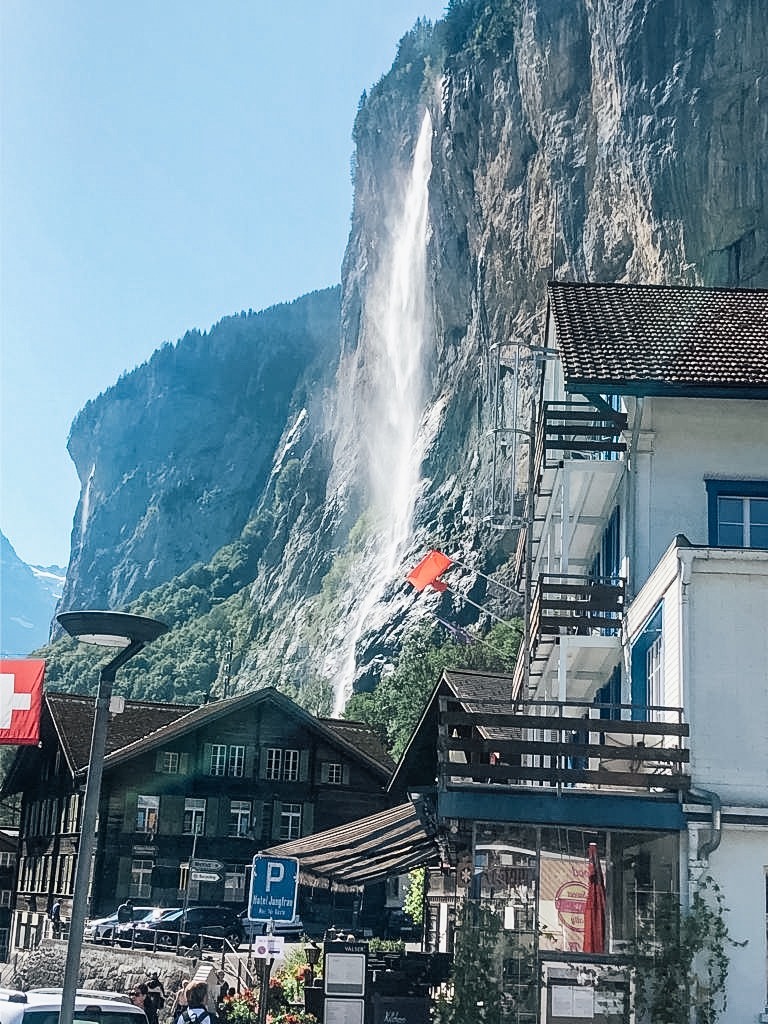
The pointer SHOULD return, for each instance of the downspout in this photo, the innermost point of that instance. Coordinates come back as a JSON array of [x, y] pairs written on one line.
[[710, 845], [685, 557]]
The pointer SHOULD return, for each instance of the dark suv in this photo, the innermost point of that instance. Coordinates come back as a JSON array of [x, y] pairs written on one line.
[[204, 926]]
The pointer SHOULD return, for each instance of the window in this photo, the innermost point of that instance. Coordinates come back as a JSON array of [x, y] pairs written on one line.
[[335, 773], [194, 816], [218, 763], [141, 878], [290, 821], [236, 763], [654, 674], [5, 897], [738, 513], [169, 762], [7, 860], [290, 765], [147, 811], [234, 883], [647, 668], [239, 817], [282, 764]]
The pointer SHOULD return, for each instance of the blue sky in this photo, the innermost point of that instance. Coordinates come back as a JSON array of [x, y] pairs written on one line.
[[163, 164]]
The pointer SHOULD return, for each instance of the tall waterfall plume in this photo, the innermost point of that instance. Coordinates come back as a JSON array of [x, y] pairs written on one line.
[[385, 422]]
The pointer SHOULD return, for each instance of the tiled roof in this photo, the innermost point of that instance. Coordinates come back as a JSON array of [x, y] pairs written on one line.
[[72, 716], [359, 735], [654, 339]]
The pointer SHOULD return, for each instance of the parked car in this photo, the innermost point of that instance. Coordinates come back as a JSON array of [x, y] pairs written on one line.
[[102, 929], [42, 1006], [204, 926], [291, 930], [124, 933]]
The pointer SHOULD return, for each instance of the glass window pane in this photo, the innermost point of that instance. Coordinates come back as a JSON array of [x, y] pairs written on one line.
[[730, 536]]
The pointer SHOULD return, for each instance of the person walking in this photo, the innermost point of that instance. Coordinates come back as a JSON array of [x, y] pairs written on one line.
[[125, 912], [197, 1012], [139, 994], [179, 1004], [155, 995], [55, 916]]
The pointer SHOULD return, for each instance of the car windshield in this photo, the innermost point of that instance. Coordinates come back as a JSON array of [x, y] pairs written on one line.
[[89, 1015]]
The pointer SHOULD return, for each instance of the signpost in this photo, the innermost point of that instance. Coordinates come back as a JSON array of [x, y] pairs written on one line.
[[274, 887]]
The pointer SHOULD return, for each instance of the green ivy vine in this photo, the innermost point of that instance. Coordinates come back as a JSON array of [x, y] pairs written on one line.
[[681, 961]]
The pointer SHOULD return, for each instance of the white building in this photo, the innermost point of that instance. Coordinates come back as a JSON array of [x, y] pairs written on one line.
[[640, 698]]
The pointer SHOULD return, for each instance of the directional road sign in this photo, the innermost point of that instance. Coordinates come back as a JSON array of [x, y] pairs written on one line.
[[274, 885], [205, 876]]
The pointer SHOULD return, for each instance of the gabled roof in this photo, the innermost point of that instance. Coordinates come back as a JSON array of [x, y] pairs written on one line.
[[357, 740], [417, 768], [72, 718], [662, 340]]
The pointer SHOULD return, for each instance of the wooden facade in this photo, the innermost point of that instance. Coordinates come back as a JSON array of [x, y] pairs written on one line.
[[225, 780]]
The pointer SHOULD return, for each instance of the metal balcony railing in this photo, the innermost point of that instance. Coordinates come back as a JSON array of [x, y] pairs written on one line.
[[575, 430], [557, 743]]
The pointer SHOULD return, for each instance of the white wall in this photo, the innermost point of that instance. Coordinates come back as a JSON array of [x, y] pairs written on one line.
[[726, 673], [686, 441]]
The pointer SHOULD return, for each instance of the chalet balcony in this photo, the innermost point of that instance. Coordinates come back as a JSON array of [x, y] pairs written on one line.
[[575, 606], [588, 442], [576, 430], [554, 744]]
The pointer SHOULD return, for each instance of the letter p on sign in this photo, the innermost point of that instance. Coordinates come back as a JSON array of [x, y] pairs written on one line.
[[275, 873]]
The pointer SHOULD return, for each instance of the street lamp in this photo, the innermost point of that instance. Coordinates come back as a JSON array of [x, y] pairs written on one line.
[[129, 633], [312, 955]]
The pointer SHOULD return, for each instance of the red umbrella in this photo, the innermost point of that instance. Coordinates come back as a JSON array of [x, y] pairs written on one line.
[[594, 909]]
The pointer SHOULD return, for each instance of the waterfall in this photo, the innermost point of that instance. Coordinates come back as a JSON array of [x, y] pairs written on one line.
[[387, 386]]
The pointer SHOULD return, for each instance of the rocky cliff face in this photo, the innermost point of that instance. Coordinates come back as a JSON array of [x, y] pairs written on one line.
[[585, 139]]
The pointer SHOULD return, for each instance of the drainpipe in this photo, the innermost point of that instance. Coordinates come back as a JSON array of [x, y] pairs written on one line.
[[710, 845]]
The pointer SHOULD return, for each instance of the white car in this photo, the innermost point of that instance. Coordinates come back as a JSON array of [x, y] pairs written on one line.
[[42, 1006], [103, 929]]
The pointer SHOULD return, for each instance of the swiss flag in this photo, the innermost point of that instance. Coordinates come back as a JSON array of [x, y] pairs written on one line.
[[21, 697]]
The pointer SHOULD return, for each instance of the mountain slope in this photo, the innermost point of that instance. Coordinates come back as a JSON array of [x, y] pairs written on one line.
[[510, 142], [28, 597]]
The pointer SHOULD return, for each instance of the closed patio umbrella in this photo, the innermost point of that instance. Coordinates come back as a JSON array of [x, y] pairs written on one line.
[[594, 909]]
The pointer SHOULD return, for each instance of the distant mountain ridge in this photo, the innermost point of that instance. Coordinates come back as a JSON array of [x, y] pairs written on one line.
[[28, 598]]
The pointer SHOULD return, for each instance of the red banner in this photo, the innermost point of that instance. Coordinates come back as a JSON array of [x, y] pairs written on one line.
[[21, 698], [429, 568]]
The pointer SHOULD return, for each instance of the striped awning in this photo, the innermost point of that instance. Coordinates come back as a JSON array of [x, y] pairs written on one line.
[[388, 843]]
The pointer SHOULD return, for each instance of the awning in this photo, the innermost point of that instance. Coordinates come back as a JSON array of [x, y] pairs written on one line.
[[388, 843]]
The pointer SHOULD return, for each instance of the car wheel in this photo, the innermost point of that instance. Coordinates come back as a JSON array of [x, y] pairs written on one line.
[[166, 939], [234, 938]]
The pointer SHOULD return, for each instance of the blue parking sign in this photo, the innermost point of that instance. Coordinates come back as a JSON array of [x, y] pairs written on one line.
[[274, 885]]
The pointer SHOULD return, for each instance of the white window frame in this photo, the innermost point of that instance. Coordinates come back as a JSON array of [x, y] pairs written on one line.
[[290, 822], [218, 762], [7, 859], [274, 764], [335, 773], [5, 897], [239, 817], [234, 883], [236, 761], [654, 672], [291, 761], [170, 762], [194, 809], [147, 813], [141, 878]]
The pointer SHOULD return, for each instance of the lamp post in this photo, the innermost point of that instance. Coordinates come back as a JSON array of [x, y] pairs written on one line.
[[128, 633], [312, 955]]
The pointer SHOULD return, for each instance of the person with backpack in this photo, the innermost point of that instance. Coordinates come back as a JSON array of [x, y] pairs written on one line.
[[197, 1012]]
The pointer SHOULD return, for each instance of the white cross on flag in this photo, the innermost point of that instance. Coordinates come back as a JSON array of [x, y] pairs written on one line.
[[21, 697]]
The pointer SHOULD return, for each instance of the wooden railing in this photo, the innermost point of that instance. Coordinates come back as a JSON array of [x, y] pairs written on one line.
[[576, 430], [555, 743]]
